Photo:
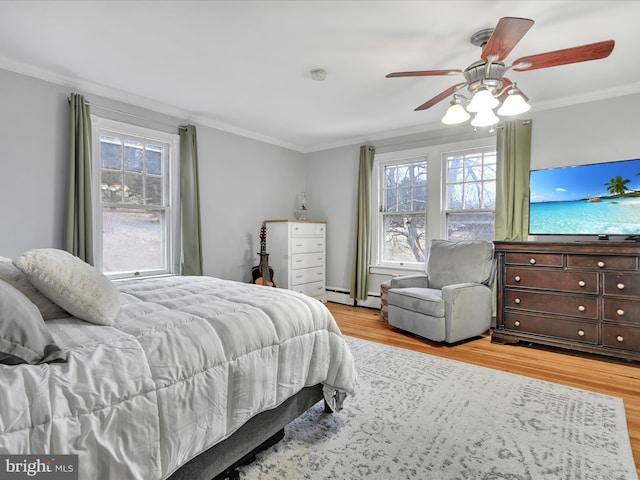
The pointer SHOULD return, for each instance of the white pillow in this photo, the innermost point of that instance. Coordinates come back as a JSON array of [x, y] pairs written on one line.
[[73, 284]]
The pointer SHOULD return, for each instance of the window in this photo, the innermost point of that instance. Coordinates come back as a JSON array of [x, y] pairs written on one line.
[[471, 194], [135, 199], [441, 191], [402, 211]]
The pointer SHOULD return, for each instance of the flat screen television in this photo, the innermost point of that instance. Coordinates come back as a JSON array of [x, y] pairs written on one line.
[[600, 199]]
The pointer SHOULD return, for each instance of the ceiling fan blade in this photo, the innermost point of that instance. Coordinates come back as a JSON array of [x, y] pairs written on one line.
[[593, 51], [506, 35], [424, 73], [438, 98]]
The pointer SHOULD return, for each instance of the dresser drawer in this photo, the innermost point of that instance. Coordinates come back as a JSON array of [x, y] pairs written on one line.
[[307, 260], [534, 259], [307, 275], [574, 305], [307, 244], [580, 282], [602, 262], [625, 285], [621, 310], [564, 328], [301, 228], [315, 289], [627, 338]]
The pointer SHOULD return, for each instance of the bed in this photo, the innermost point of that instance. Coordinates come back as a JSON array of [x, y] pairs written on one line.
[[166, 377]]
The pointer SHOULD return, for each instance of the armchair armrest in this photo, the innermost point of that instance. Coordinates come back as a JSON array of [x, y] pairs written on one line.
[[467, 309], [419, 280]]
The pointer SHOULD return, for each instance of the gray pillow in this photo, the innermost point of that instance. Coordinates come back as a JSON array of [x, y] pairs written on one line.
[[24, 337], [14, 277], [76, 286]]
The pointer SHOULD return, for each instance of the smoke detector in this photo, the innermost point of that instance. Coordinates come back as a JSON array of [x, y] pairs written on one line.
[[318, 74]]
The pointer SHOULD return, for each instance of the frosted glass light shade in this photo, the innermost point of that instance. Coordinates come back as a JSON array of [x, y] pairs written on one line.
[[514, 104], [455, 114], [485, 118], [483, 99]]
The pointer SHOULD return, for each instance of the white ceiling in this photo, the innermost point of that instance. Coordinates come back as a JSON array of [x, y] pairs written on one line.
[[244, 66]]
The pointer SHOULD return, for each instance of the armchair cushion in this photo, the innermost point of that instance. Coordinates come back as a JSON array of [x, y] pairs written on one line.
[[459, 262], [427, 301]]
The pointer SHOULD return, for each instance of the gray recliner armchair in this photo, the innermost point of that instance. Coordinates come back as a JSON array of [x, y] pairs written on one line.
[[452, 302]]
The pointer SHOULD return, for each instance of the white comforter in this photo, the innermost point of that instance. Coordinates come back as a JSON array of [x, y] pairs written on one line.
[[188, 361]]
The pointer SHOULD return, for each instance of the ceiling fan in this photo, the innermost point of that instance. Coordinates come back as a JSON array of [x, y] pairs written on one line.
[[485, 78]]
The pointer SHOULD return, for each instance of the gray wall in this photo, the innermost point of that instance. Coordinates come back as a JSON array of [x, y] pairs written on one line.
[[244, 181]]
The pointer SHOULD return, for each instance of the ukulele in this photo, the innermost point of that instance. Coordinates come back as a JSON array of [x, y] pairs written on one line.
[[263, 274]]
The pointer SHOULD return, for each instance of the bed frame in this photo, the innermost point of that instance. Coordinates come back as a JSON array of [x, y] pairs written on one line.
[[260, 432]]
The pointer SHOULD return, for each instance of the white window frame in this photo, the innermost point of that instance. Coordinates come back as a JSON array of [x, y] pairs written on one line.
[[103, 126], [436, 226], [445, 168]]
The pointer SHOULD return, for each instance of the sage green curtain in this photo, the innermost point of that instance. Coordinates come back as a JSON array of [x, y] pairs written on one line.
[[362, 244], [191, 236], [512, 181], [78, 228]]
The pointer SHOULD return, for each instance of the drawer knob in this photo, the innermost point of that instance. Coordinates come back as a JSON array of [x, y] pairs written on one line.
[[532, 261], [620, 338], [600, 264], [581, 308], [581, 333], [620, 312], [620, 286], [517, 278], [517, 323], [582, 283], [517, 301]]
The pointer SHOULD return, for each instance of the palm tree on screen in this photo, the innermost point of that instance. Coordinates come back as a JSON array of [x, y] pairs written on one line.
[[617, 185]]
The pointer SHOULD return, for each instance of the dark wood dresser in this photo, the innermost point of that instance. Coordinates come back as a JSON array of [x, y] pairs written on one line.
[[581, 296]]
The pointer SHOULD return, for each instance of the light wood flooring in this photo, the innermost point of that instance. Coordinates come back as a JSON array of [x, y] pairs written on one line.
[[617, 378]]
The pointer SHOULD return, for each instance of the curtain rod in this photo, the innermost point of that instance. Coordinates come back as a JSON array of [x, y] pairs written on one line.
[[120, 112]]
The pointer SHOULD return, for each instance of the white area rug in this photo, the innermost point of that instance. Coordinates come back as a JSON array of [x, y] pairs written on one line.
[[421, 417]]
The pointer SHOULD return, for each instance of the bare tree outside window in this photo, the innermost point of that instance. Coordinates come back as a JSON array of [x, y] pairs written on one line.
[[471, 195], [403, 212]]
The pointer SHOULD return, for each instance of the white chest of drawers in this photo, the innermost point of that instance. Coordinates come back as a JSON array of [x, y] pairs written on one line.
[[297, 254]]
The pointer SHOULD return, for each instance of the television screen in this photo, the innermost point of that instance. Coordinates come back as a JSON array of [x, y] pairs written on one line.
[[596, 199]]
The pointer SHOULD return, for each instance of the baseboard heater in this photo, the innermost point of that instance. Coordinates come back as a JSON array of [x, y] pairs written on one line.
[[341, 295]]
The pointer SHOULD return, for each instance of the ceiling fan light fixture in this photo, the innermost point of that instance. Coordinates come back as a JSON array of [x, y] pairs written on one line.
[[455, 113], [514, 104], [482, 100], [485, 118]]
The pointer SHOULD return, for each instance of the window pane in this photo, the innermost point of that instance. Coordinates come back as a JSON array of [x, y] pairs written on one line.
[[390, 176], [134, 156], [404, 175], [133, 188], [111, 186], [454, 196], [489, 195], [470, 226], [154, 191], [404, 200], [419, 199], [420, 174], [391, 199], [154, 160], [404, 238], [110, 153], [472, 195], [132, 238]]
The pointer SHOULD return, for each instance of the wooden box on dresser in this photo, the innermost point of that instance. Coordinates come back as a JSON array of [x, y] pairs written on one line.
[[297, 255], [582, 296]]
